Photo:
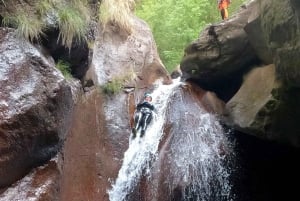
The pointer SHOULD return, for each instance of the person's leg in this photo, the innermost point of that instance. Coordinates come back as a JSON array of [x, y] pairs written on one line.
[[146, 121], [222, 13], [225, 13], [137, 122]]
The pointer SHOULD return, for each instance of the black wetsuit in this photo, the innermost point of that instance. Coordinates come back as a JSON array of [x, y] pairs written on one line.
[[143, 117]]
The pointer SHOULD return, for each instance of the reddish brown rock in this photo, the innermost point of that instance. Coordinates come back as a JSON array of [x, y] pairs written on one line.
[[35, 104], [41, 184], [91, 154], [132, 58]]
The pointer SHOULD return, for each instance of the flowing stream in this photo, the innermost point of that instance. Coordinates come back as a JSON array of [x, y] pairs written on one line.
[[201, 155], [142, 151], [196, 157]]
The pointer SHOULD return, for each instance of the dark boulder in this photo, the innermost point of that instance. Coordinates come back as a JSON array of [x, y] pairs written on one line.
[[217, 60], [35, 103], [274, 34], [266, 108], [41, 184]]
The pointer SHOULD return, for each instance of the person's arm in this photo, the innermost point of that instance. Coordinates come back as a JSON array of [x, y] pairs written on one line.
[[148, 105], [138, 106]]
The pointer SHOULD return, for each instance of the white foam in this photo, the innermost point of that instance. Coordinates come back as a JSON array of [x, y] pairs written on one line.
[[141, 151]]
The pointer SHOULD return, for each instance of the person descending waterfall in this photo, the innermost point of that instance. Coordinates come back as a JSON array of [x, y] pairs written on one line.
[[223, 5], [143, 115]]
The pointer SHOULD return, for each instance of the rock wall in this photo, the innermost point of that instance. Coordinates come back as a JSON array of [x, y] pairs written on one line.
[[134, 57], [102, 122], [35, 105], [273, 30], [263, 102], [36, 102], [40, 184], [220, 55], [89, 159]]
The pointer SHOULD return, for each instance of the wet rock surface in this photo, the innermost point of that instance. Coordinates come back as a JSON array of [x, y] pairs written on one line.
[[35, 101], [35, 104], [41, 184], [99, 130], [93, 151], [130, 58]]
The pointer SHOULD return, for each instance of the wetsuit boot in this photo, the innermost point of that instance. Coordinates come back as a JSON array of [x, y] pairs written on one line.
[[137, 121], [133, 132]]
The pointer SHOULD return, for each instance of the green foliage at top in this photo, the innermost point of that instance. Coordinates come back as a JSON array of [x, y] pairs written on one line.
[[176, 23], [72, 25], [117, 12], [43, 6], [72, 17], [27, 26]]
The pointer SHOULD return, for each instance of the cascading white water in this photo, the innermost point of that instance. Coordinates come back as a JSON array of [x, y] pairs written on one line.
[[142, 151], [197, 152]]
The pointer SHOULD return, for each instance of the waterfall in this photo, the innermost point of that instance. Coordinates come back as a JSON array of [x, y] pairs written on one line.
[[196, 152], [142, 151], [201, 155]]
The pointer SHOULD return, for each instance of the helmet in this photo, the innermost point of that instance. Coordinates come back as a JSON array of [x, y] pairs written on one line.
[[147, 95]]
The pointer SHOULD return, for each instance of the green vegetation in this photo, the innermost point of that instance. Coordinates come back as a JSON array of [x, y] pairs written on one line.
[[117, 12], [113, 87], [43, 6], [72, 17], [29, 27], [30, 20], [64, 68], [176, 23], [72, 25]]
